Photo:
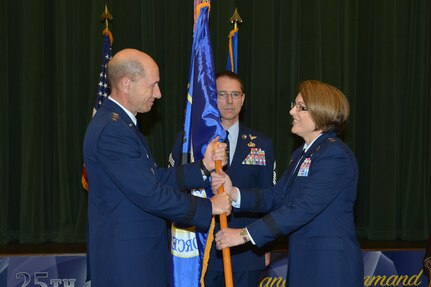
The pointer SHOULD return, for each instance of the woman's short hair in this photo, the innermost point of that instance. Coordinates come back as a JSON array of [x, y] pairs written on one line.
[[327, 105]]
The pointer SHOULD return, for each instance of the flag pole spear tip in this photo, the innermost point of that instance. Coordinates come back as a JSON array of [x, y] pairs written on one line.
[[235, 19], [106, 18]]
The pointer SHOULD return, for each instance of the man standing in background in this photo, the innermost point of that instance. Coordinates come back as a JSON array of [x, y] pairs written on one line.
[[251, 164]]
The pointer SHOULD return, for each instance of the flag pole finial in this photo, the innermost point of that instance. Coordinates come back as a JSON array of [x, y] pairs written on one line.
[[235, 19], [106, 18]]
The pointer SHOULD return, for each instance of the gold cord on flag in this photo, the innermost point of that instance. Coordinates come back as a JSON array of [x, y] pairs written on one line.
[[231, 34], [235, 19], [200, 6], [208, 245]]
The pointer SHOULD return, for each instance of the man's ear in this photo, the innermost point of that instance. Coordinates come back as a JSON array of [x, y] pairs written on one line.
[[125, 84]]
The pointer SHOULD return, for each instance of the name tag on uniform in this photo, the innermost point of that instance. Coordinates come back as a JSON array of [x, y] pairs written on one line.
[[304, 168], [255, 157]]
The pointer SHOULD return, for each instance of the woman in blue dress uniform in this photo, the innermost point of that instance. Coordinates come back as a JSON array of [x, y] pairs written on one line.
[[313, 201]]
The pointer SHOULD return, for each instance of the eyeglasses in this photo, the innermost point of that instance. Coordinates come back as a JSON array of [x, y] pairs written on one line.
[[299, 107], [223, 95]]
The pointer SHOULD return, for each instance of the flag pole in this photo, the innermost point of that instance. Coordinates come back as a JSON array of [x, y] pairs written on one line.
[[227, 264], [107, 17], [232, 59], [103, 85], [235, 19]]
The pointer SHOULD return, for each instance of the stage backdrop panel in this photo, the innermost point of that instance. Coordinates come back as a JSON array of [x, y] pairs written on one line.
[[43, 271], [381, 268]]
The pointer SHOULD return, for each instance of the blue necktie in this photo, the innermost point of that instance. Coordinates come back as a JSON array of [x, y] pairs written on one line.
[[227, 151]]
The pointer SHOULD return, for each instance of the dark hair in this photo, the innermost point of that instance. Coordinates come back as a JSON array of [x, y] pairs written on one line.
[[327, 105], [231, 75]]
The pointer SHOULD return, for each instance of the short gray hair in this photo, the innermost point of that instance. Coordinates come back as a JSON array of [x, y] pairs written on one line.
[[118, 69]]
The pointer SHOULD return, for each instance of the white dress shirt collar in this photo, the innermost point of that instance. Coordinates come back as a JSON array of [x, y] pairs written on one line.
[[307, 146], [233, 139]]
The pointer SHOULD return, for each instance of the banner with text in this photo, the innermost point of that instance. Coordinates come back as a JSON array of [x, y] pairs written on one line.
[[381, 268]]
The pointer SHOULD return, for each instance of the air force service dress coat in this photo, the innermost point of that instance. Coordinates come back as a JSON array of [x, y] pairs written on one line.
[[313, 203], [253, 166], [129, 199]]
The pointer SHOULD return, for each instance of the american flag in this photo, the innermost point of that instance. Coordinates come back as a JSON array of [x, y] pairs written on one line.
[[103, 90], [103, 85]]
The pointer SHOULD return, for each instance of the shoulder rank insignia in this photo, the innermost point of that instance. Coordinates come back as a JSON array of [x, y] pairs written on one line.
[[115, 117], [332, 140]]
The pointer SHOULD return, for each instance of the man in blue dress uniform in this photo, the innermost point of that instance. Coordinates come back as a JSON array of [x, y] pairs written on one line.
[[251, 165], [130, 197]]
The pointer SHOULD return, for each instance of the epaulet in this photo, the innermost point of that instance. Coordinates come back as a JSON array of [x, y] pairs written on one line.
[[115, 117]]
